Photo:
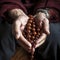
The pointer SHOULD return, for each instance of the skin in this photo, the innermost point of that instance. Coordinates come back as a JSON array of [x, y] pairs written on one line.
[[18, 26], [44, 22]]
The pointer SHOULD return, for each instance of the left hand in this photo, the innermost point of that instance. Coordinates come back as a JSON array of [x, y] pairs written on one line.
[[17, 30], [44, 23]]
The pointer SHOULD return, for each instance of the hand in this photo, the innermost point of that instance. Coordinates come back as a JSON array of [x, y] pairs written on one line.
[[44, 23], [41, 40], [17, 29]]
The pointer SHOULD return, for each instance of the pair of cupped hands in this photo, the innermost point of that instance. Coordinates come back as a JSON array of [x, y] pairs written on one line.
[[19, 25]]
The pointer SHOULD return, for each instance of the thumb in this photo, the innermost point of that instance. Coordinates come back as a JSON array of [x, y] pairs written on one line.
[[46, 26]]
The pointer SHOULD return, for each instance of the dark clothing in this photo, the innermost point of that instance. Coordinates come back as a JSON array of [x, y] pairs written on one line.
[[30, 6], [24, 4], [7, 41]]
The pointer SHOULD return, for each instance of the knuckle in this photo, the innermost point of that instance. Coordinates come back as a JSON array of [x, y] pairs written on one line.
[[29, 48]]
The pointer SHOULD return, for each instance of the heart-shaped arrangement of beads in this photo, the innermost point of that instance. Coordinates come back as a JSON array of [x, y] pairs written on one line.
[[32, 32]]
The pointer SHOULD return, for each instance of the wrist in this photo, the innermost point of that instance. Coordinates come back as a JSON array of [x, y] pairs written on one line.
[[51, 13], [45, 11], [14, 14]]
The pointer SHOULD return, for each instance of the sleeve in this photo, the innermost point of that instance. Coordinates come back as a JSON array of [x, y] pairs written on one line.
[[53, 5], [6, 5], [48, 4]]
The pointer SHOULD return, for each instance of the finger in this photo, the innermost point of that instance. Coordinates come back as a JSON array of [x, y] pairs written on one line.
[[33, 50], [46, 26], [42, 37], [16, 29], [24, 20], [39, 44], [39, 22], [24, 41], [22, 27], [24, 46]]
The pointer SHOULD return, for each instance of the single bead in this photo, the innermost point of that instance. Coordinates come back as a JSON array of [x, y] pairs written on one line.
[[29, 24], [33, 25], [30, 21], [33, 37], [29, 36], [31, 17], [38, 29], [35, 33], [28, 31], [28, 28], [33, 29], [39, 34]]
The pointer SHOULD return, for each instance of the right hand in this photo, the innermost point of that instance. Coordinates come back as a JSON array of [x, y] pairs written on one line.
[[44, 25], [17, 28]]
